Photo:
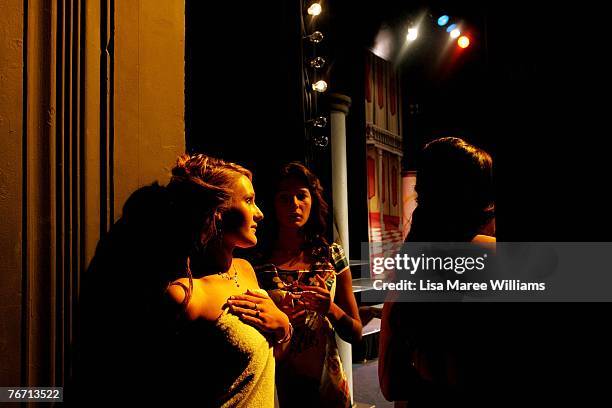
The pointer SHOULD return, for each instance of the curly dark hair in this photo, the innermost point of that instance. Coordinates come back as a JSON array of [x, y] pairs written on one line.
[[315, 242]]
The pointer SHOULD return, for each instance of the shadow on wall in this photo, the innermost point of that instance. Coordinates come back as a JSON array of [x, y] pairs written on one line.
[[123, 332]]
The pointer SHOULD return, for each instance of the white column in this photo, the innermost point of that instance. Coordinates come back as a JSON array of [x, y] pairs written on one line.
[[339, 109], [339, 105], [381, 205], [400, 193]]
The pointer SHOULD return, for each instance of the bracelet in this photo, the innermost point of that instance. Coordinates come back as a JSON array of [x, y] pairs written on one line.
[[287, 336]]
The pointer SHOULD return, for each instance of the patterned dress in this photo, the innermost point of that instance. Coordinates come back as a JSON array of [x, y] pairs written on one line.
[[311, 373]]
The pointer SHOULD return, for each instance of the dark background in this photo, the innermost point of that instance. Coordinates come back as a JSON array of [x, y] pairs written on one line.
[[533, 89]]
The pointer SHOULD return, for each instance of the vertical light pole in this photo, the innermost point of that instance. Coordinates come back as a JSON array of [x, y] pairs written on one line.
[[339, 106]]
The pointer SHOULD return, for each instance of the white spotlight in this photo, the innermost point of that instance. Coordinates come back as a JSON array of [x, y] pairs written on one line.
[[412, 35], [319, 86], [455, 33], [315, 9]]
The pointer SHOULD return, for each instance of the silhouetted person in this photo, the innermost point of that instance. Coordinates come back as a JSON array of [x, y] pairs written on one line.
[[454, 192], [433, 354]]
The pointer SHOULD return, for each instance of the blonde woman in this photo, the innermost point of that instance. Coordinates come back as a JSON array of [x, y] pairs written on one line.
[[227, 328]]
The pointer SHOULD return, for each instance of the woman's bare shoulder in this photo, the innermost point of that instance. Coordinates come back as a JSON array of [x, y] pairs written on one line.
[[244, 265], [177, 292], [245, 268]]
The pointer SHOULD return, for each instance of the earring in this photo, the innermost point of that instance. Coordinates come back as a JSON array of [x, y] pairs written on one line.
[[218, 227]]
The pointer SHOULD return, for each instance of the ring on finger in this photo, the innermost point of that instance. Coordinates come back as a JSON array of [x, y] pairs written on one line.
[[257, 314]]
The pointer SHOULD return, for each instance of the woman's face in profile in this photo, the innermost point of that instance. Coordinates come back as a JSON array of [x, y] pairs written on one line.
[[292, 203], [240, 220]]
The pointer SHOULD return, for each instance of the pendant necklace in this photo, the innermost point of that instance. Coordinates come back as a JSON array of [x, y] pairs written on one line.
[[227, 276]]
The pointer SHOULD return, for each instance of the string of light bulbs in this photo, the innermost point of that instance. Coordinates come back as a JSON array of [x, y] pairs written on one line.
[[315, 122]]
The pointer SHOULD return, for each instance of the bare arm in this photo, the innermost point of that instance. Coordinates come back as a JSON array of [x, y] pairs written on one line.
[[396, 374], [175, 298], [385, 375], [343, 312]]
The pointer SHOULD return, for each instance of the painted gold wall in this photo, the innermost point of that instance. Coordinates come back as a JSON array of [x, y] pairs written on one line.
[[149, 92], [11, 133], [91, 108]]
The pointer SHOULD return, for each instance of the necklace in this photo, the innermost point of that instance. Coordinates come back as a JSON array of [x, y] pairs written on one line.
[[227, 276]]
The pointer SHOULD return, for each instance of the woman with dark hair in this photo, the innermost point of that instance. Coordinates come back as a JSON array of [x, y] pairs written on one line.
[[454, 192], [430, 354], [311, 281]]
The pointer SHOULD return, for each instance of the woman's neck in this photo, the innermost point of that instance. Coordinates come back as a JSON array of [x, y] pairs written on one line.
[[289, 239], [217, 258]]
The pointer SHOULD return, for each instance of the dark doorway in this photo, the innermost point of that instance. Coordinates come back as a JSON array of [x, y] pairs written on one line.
[[243, 90]]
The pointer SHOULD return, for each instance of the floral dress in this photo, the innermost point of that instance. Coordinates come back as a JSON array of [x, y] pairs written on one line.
[[311, 373]]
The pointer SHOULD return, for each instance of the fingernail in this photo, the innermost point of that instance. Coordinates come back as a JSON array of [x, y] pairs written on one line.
[[231, 297]]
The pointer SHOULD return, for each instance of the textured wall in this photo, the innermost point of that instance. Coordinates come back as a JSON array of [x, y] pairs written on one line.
[[149, 93], [53, 148], [11, 135]]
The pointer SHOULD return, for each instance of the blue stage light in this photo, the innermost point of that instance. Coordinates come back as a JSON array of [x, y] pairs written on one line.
[[443, 20], [451, 28]]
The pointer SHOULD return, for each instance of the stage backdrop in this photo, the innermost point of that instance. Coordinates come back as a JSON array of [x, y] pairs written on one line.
[[384, 150]]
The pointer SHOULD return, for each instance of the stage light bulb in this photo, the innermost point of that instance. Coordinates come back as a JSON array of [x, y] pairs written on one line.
[[321, 141], [320, 122], [316, 37], [317, 62], [413, 33], [451, 28], [320, 86], [463, 41], [314, 9], [455, 33], [443, 20]]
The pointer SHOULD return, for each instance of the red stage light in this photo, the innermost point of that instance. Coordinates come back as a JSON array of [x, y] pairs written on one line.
[[463, 41]]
